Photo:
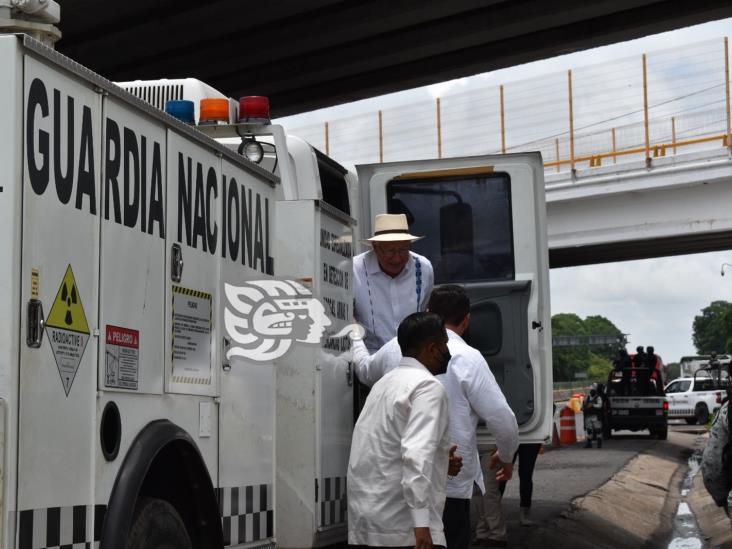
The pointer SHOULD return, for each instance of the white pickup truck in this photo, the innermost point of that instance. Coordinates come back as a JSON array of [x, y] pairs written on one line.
[[694, 399]]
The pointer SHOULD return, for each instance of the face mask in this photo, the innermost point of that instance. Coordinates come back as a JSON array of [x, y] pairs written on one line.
[[444, 361]]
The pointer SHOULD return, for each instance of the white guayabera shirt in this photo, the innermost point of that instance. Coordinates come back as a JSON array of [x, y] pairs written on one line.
[[399, 456], [382, 302], [472, 393]]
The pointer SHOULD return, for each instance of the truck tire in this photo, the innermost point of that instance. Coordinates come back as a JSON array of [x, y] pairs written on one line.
[[661, 432], [702, 413], [607, 432], [157, 525], [690, 420]]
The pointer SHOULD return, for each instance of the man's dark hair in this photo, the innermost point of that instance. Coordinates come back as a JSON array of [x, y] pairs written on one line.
[[419, 330], [451, 302]]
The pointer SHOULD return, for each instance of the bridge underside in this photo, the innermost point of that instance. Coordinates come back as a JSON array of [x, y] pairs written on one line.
[[316, 53], [640, 249], [681, 205]]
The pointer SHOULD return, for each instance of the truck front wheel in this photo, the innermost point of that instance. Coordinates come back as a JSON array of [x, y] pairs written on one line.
[[157, 525]]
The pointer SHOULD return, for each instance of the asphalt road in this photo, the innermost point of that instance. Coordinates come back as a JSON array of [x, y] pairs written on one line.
[[565, 473]]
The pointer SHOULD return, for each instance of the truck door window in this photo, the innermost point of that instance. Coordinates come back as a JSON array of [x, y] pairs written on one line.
[[678, 387], [466, 221], [333, 183]]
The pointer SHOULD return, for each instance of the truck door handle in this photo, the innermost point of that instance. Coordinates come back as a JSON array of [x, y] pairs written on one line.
[[35, 324], [176, 263]]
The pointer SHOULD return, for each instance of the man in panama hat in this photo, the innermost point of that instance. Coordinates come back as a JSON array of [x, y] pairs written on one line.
[[390, 281]]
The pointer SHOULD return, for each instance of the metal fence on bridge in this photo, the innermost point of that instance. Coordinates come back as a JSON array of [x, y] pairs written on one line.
[[636, 108]]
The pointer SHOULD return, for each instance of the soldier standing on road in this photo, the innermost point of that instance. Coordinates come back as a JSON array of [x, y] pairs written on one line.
[[592, 408]]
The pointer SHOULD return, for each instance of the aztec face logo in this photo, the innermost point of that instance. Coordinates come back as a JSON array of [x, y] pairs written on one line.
[[265, 317]]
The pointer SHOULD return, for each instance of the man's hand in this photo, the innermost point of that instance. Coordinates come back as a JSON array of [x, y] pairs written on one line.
[[455, 463], [505, 470], [423, 538]]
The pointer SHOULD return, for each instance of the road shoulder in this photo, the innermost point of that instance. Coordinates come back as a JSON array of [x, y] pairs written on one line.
[[635, 508]]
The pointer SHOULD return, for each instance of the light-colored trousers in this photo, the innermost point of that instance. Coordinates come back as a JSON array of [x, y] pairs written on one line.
[[491, 523]]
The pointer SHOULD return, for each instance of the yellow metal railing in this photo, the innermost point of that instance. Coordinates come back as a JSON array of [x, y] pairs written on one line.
[[555, 114], [653, 151]]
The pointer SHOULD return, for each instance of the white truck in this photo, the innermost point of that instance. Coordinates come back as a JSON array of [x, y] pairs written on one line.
[[688, 365], [131, 415], [694, 399]]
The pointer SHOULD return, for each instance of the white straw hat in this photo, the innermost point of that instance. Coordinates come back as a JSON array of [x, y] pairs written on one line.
[[392, 228]]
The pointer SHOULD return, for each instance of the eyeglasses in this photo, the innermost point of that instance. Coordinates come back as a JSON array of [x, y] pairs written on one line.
[[391, 252]]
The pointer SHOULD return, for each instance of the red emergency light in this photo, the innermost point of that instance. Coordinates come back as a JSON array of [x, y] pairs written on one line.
[[254, 109]]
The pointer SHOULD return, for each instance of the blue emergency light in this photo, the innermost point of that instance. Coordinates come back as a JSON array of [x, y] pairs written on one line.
[[182, 110]]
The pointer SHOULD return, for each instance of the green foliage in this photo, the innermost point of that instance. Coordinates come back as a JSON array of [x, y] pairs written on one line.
[[596, 361], [712, 329], [599, 367]]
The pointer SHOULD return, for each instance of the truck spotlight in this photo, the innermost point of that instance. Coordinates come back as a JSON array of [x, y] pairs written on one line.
[[252, 150]]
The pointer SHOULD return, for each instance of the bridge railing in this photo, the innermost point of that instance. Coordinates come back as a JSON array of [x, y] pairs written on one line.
[[642, 107]]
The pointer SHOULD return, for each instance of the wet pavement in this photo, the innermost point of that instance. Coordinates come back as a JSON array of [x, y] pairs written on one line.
[[686, 532]]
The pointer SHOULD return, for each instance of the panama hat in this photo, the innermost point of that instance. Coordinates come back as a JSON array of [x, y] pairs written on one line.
[[392, 228]]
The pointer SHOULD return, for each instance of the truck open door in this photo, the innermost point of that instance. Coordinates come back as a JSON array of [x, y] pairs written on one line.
[[484, 222]]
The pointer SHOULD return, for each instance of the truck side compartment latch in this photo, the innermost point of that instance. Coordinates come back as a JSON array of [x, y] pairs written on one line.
[[36, 324], [176, 263], [225, 364], [536, 325]]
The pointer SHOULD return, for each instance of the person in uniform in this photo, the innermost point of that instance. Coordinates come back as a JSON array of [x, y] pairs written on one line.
[[592, 409], [389, 281], [399, 458], [716, 461]]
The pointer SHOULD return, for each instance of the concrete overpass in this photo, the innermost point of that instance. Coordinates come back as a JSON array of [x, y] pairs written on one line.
[[675, 205], [317, 53]]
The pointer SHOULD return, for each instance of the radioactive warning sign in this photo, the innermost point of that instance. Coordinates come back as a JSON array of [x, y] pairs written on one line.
[[68, 330]]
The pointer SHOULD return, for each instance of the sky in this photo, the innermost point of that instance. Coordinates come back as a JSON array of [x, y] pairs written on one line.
[[653, 300]]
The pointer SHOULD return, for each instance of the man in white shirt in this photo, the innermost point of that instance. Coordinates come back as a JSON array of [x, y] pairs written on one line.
[[473, 393], [399, 454], [389, 281]]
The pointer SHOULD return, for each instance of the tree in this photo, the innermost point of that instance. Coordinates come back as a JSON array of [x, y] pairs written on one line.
[[599, 367], [712, 330], [568, 360], [595, 360]]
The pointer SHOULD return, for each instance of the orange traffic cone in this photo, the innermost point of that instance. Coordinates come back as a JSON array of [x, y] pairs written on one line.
[[567, 429]]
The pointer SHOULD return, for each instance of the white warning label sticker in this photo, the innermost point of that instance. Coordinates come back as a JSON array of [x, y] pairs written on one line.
[[191, 336], [122, 358]]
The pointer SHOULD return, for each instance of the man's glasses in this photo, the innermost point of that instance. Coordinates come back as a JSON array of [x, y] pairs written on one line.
[[391, 252]]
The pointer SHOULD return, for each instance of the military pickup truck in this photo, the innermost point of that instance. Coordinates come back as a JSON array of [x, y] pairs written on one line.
[[633, 402]]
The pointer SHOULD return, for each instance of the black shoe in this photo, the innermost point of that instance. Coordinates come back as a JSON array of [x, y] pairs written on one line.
[[487, 542], [588, 444], [599, 443]]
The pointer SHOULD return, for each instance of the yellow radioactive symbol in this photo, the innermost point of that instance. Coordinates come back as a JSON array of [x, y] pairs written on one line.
[[67, 311]]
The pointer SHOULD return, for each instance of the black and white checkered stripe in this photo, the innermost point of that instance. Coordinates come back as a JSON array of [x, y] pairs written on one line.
[[77, 527], [330, 493], [247, 513]]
